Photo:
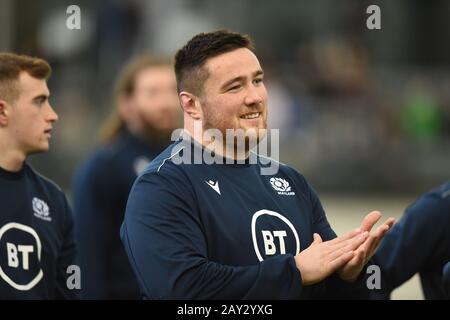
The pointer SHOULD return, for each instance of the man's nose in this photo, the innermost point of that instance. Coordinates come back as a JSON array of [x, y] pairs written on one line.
[[53, 116], [254, 97]]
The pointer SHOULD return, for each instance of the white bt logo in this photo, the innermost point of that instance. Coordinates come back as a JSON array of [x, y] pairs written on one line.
[[270, 247], [20, 257], [275, 241]]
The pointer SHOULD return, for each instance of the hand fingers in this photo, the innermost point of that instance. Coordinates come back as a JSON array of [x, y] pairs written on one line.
[[372, 242], [369, 247], [373, 248], [349, 245], [379, 235], [390, 222], [317, 239], [383, 229], [357, 260], [345, 237], [340, 261], [370, 220], [357, 238], [365, 247]]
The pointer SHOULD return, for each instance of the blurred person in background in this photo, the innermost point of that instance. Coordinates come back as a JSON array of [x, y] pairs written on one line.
[[37, 244], [418, 243], [140, 127]]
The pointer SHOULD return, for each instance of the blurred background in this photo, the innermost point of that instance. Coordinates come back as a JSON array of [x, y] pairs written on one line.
[[365, 114]]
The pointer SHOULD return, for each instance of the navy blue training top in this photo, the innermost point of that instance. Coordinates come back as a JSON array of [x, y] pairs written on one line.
[[37, 246], [100, 191], [223, 231]]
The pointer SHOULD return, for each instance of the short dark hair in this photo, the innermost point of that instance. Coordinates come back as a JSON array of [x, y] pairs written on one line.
[[190, 59], [11, 65]]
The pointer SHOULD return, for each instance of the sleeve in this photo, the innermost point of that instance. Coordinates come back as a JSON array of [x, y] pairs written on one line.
[[334, 287], [67, 257], [411, 245], [164, 239], [90, 198]]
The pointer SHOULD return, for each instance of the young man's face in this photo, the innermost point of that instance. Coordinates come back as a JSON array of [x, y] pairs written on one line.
[[31, 117], [234, 95], [155, 101]]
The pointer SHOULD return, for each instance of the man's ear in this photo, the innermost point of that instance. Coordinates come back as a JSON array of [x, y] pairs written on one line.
[[191, 105], [4, 106]]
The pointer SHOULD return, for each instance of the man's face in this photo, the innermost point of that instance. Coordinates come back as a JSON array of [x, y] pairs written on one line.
[[155, 101], [234, 95], [31, 117]]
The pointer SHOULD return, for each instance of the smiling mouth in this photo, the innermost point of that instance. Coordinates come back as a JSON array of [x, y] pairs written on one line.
[[251, 115]]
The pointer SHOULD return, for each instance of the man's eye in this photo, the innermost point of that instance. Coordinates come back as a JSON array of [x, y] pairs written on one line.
[[234, 87], [258, 81]]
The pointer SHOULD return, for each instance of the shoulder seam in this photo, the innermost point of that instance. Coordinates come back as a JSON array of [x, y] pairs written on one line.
[[164, 161], [49, 181]]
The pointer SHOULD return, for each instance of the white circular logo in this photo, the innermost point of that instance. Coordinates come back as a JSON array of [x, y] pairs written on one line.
[[263, 212], [280, 184], [39, 275]]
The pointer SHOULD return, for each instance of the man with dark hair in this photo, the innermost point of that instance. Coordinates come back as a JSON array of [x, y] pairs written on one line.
[[224, 230], [190, 60], [37, 244], [138, 129], [418, 243]]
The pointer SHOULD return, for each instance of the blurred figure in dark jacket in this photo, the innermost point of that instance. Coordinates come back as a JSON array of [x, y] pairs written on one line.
[[140, 127]]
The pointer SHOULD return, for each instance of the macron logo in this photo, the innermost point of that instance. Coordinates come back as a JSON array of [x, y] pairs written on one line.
[[214, 185]]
